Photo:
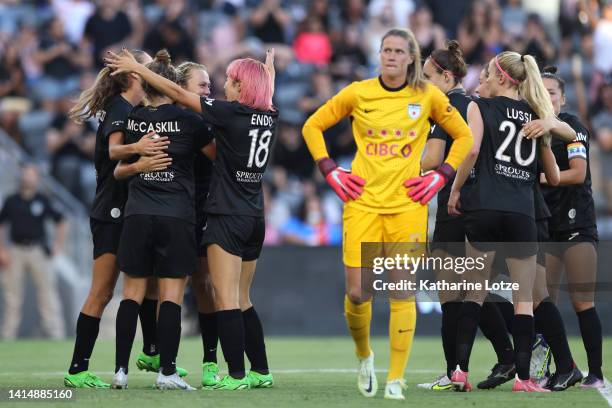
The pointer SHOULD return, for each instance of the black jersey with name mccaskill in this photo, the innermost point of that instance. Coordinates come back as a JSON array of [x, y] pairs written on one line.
[[169, 192]]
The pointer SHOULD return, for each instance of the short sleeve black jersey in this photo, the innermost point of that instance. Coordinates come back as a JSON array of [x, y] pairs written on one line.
[[111, 194], [169, 192], [459, 100], [507, 163], [572, 206], [244, 137]]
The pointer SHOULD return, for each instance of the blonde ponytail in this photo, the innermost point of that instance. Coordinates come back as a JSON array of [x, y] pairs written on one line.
[[522, 71], [534, 91]]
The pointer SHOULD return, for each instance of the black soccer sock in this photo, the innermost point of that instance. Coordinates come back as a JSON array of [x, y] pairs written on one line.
[[466, 332], [548, 321], [590, 329], [255, 346], [506, 308], [127, 320], [148, 323], [523, 335], [87, 329], [210, 337], [450, 316], [231, 336], [493, 327], [169, 336]]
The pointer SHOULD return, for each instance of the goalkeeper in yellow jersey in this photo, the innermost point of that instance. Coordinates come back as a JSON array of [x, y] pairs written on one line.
[[385, 196]]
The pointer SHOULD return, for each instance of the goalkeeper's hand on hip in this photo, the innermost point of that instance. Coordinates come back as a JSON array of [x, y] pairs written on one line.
[[345, 184]]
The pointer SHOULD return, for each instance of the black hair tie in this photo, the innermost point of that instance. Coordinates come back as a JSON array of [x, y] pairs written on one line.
[[522, 58]]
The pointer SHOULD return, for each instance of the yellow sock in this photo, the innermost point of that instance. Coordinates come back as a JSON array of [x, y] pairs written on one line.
[[401, 332], [358, 319]]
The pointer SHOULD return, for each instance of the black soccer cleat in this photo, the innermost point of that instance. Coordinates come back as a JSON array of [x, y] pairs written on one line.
[[501, 373], [561, 382]]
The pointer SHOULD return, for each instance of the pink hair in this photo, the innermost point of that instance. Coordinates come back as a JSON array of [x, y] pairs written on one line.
[[255, 83]]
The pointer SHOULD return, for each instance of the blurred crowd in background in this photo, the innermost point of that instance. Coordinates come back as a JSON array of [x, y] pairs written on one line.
[[50, 50]]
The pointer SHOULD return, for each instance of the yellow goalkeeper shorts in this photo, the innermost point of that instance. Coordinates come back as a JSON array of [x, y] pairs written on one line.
[[366, 227]]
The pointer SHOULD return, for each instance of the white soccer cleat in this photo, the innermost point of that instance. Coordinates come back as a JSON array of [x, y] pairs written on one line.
[[366, 379], [172, 382], [442, 383], [120, 380], [394, 389]]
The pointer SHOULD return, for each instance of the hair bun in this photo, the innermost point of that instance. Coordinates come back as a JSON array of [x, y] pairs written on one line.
[[454, 47], [163, 56], [550, 69]]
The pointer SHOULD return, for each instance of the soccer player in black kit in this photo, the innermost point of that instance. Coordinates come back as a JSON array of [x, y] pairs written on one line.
[[500, 207], [194, 78], [445, 68], [110, 99], [573, 231], [245, 129], [158, 235]]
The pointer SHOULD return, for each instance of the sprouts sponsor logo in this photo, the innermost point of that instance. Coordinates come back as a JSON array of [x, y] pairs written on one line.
[[512, 172], [159, 176], [248, 177]]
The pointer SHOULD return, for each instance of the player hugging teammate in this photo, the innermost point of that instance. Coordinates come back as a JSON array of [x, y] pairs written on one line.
[[245, 129], [111, 99], [508, 79]]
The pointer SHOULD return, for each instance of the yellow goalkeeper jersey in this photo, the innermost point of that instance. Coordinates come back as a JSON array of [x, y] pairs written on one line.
[[390, 127]]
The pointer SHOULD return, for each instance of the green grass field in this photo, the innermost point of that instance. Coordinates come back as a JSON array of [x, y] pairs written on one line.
[[314, 372]]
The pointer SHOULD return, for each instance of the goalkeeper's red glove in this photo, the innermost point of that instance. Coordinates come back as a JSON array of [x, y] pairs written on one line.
[[423, 188], [346, 185]]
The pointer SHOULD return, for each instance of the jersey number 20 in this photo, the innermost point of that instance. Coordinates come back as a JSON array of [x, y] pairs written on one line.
[[506, 125], [259, 145]]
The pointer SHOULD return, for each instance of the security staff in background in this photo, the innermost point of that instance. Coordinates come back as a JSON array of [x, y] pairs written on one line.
[[25, 212]]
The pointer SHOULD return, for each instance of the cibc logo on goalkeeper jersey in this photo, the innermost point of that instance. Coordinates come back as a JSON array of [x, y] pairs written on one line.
[[392, 148]]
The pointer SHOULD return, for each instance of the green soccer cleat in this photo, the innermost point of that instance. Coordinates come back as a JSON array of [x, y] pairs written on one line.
[[84, 379], [257, 380], [151, 363], [230, 383], [210, 375]]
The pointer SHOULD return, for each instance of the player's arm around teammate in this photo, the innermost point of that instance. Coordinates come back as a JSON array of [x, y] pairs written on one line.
[[494, 123], [390, 121], [232, 255], [110, 99], [158, 237]]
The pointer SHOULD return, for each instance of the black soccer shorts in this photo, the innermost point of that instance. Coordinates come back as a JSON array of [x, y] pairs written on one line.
[[562, 240], [449, 236], [487, 227], [240, 235], [105, 236], [154, 245]]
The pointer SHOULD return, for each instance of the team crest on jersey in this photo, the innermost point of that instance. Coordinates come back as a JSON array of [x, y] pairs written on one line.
[[414, 110]]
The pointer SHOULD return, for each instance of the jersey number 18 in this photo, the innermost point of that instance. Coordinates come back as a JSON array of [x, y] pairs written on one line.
[[506, 125], [259, 145]]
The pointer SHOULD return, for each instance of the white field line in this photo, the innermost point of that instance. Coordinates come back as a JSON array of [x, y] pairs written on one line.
[[606, 391]]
